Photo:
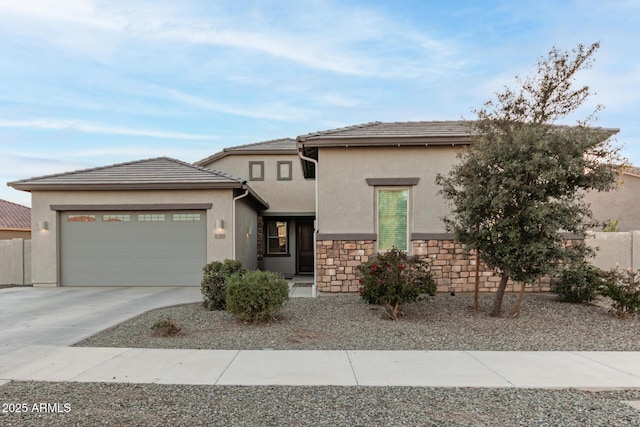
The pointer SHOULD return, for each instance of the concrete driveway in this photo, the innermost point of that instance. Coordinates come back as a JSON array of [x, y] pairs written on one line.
[[64, 316]]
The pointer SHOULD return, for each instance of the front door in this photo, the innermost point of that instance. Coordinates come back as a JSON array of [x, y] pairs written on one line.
[[304, 252]]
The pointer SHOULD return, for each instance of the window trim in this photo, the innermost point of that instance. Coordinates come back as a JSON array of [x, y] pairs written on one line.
[[377, 190], [253, 177], [266, 238], [282, 177]]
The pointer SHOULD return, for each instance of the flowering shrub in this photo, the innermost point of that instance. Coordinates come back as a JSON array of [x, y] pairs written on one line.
[[623, 287], [392, 279]]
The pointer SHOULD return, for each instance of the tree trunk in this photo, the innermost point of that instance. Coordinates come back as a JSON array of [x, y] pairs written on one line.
[[477, 285], [516, 309], [497, 304]]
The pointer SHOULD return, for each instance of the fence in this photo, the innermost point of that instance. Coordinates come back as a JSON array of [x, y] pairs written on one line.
[[619, 249], [15, 262]]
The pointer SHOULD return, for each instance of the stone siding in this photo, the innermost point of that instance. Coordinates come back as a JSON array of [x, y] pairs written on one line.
[[261, 242], [337, 261], [453, 269]]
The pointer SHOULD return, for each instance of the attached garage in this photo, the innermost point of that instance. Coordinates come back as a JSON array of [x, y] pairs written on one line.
[[145, 248], [153, 222]]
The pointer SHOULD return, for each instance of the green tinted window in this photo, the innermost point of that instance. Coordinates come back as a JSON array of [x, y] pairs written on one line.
[[392, 219]]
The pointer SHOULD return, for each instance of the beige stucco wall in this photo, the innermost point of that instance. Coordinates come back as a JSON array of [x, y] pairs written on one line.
[[346, 201], [294, 196], [623, 203], [615, 250], [45, 243], [15, 262]]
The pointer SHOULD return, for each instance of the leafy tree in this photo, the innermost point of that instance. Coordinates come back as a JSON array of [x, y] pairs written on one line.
[[523, 180]]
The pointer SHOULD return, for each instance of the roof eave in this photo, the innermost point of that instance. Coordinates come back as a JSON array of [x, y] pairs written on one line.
[[384, 141], [123, 186]]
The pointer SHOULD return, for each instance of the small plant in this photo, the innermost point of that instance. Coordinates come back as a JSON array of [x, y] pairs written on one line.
[[578, 283], [611, 226], [392, 279], [166, 327], [624, 290], [213, 285], [256, 296]]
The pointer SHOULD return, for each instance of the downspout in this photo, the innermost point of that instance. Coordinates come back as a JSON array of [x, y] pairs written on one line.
[[314, 287], [233, 222]]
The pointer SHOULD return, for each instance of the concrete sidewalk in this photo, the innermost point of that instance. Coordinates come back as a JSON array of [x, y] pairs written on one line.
[[587, 370]]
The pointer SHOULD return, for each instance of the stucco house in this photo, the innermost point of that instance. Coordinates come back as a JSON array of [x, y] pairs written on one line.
[[15, 221], [319, 204], [621, 204]]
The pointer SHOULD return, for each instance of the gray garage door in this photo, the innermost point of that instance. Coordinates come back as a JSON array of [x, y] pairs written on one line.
[[132, 248]]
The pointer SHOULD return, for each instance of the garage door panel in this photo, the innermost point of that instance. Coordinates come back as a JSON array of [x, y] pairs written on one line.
[[142, 250]]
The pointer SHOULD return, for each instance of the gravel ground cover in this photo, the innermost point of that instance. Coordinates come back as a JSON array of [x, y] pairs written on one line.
[[347, 323], [93, 404]]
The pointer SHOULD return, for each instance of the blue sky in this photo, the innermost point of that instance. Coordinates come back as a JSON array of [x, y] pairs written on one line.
[[88, 83]]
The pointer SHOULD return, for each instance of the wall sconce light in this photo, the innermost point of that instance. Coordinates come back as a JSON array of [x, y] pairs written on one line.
[[249, 231], [219, 231], [43, 225]]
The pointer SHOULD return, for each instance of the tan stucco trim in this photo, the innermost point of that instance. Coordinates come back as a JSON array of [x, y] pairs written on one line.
[[289, 214], [392, 181], [431, 236], [347, 236], [134, 207]]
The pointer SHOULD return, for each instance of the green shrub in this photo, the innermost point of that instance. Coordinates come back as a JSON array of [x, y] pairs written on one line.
[[623, 289], [392, 279], [166, 327], [214, 279], [256, 296], [578, 283]]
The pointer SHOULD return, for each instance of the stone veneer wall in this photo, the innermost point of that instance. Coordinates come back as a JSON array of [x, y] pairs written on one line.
[[453, 269], [260, 238], [337, 261]]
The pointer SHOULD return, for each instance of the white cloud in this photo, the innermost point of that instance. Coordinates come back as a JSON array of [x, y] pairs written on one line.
[[273, 111], [56, 124], [321, 36]]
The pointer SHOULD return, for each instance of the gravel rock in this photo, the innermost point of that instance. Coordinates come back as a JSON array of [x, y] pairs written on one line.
[[93, 404], [347, 323]]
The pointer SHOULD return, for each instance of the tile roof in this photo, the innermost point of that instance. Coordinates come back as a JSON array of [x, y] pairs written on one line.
[[423, 129], [14, 216], [160, 172], [274, 146]]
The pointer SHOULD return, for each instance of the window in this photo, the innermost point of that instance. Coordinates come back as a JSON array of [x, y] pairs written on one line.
[[150, 217], [81, 218], [392, 219], [284, 170], [116, 218], [277, 242], [256, 171], [186, 217]]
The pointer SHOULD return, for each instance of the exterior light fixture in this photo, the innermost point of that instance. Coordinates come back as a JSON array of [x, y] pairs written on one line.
[[219, 231], [43, 225]]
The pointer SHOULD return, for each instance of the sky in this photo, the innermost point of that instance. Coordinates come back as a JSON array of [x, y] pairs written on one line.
[[87, 83]]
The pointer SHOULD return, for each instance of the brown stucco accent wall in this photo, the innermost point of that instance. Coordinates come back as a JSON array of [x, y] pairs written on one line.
[[452, 268]]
